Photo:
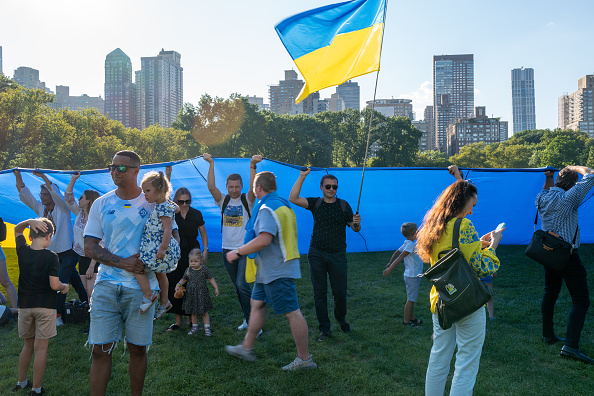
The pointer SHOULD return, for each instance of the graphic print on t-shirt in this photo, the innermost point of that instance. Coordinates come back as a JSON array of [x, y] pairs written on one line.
[[233, 216]]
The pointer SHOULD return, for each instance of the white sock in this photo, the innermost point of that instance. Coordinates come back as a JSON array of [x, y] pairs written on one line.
[[207, 325], [194, 326], [22, 384], [36, 390]]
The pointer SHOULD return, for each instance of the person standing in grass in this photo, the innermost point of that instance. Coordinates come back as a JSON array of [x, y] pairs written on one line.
[[4, 278], [327, 250], [197, 301], [88, 268], [271, 238], [558, 210], [413, 266], [38, 283], [236, 208], [435, 236], [118, 219]]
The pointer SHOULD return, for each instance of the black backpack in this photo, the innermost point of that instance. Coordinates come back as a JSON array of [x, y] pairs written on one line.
[[244, 202]]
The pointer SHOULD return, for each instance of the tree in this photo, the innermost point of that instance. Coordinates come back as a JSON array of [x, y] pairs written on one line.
[[398, 141], [471, 156], [432, 159]]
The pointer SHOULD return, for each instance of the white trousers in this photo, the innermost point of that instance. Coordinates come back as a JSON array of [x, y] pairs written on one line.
[[469, 335]]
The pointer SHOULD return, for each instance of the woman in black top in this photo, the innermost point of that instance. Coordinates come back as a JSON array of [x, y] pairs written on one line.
[[189, 222]]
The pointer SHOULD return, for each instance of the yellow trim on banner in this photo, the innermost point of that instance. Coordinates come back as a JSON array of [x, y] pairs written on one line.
[[350, 55], [10, 242]]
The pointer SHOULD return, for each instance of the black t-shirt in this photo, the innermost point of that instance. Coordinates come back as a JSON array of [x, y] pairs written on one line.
[[188, 229], [329, 231], [36, 266]]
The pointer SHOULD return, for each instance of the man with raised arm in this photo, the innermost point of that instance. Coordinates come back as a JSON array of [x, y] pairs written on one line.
[[118, 219], [327, 250], [271, 238], [558, 210], [51, 205], [236, 210]]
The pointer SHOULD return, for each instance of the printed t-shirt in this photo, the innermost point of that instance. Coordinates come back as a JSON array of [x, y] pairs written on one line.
[[270, 261], [329, 230], [35, 268], [413, 265], [119, 223], [235, 219]]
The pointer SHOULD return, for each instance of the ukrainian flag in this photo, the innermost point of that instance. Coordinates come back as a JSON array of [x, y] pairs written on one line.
[[334, 43]]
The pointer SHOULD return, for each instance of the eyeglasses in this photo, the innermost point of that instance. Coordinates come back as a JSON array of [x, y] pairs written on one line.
[[184, 202], [331, 186], [120, 168], [44, 194]]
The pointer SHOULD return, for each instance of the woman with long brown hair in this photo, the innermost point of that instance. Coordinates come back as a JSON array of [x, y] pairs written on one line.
[[435, 236], [87, 267]]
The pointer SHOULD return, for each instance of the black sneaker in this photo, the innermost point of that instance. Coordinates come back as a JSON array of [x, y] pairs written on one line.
[[17, 387], [323, 336], [345, 327]]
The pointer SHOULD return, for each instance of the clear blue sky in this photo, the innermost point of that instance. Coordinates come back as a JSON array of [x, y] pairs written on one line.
[[231, 46]]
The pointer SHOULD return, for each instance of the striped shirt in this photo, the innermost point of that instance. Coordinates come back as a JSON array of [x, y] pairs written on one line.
[[558, 209]]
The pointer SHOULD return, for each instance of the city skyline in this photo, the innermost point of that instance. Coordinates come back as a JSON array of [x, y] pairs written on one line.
[[232, 47]]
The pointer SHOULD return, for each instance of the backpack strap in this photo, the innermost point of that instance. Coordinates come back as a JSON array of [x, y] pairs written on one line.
[[317, 204], [244, 202], [456, 234]]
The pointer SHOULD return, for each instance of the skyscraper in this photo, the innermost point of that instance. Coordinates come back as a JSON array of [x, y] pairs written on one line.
[[1, 72], [29, 78], [350, 92], [392, 107], [575, 110], [119, 89], [523, 111], [160, 91], [453, 92], [283, 95]]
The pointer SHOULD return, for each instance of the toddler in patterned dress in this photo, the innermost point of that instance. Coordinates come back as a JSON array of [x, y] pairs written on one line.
[[158, 250]]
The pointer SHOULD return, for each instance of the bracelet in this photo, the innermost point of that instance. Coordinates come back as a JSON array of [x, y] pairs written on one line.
[[236, 251], [206, 249], [253, 167]]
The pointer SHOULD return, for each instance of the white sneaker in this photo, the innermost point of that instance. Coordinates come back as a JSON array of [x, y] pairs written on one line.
[[59, 321], [243, 326], [299, 363], [240, 352]]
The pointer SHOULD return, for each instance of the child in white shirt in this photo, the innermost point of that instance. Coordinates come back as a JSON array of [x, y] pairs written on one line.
[[413, 267]]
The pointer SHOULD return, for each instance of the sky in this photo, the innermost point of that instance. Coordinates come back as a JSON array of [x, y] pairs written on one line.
[[231, 46]]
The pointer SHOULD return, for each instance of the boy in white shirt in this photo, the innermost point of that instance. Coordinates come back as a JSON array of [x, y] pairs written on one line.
[[413, 267]]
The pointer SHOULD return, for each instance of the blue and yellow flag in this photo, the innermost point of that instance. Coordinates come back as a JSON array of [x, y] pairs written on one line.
[[334, 43]]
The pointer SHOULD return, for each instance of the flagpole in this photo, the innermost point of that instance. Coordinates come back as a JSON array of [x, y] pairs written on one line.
[[372, 110]]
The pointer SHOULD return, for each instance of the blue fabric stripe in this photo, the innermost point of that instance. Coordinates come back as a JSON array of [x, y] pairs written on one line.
[[314, 29]]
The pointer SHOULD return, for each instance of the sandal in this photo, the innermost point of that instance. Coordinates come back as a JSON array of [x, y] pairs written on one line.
[[417, 321], [147, 304], [173, 327], [410, 324]]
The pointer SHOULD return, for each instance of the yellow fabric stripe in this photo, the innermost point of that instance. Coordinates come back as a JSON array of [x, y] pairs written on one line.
[[289, 232], [10, 242], [350, 55]]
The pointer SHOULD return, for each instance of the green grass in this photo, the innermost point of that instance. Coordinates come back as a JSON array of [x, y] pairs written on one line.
[[379, 357]]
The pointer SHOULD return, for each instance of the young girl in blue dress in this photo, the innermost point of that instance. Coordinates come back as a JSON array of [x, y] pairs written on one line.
[[158, 250]]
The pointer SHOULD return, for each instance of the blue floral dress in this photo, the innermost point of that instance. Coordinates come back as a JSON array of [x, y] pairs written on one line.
[[152, 236]]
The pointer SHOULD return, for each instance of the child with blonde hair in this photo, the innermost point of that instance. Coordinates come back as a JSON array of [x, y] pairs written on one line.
[[197, 299], [158, 250], [413, 267]]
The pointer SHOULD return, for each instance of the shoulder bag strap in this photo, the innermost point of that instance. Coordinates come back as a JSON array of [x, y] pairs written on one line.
[[456, 234]]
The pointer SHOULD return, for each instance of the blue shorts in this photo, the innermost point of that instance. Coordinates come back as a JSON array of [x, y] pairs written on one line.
[[2, 255], [112, 308], [280, 294]]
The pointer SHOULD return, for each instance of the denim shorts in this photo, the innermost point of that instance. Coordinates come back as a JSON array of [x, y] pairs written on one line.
[[280, 294], [112, 308], [2, 255]]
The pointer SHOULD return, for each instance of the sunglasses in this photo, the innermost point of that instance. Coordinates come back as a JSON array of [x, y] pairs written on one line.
[[120, 168], [329, 186], [184, 202]]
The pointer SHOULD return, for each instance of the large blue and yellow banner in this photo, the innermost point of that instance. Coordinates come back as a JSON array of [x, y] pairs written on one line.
[[334, 43]]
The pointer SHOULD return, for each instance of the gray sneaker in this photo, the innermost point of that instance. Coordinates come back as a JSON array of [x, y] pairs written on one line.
[[299, 363], [240, 352]]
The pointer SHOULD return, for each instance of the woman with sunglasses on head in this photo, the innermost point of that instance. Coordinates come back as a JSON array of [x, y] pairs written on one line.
[[189, 222], [87, 267], [468, 334]]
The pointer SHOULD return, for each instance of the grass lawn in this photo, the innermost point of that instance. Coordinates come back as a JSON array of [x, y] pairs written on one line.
[[379, 357]]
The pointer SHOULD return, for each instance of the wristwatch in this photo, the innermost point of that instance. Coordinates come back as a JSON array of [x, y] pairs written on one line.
[[236, 251]]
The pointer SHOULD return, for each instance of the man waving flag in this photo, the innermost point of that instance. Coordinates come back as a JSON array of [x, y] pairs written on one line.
[[334, 43]]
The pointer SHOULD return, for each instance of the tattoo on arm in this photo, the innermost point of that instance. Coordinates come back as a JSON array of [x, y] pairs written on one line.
[[102, 255]]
